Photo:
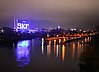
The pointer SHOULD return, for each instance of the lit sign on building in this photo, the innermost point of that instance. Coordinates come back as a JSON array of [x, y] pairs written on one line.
[[21, 24]]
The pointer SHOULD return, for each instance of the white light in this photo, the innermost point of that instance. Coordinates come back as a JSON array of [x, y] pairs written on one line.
[[42, 47], [2, 30], [48, 35], [42, 39], [24, 21], [16, 30], [80, 30], [57, 50], [72, 29], [58, 26], [84, 31]]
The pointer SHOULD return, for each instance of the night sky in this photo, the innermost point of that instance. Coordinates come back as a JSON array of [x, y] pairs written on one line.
[[51, 13]]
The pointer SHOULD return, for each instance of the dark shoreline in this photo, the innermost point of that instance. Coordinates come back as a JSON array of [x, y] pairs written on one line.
[[89, 59]]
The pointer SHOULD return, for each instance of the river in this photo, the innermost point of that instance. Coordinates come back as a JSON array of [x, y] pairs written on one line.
[[40, 55]]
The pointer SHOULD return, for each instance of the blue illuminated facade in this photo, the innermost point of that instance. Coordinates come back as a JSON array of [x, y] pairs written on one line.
[[21, 25]]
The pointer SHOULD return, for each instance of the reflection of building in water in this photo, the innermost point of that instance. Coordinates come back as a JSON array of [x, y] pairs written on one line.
[[23, 53]]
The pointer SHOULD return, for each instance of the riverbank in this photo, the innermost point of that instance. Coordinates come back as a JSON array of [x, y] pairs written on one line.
[[90, 57]]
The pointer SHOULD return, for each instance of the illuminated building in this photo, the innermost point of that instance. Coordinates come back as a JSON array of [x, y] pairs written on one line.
[[21, 25]]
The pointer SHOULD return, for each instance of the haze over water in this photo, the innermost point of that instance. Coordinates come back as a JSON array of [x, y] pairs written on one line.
[[40, 55]]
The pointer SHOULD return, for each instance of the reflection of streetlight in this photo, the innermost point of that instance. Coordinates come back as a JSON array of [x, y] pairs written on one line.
[[57, 50], [73, 48], [64, 39], [42, 45], [49, 48], [54, 41], [63, 52], [59, 40], [79, 48]]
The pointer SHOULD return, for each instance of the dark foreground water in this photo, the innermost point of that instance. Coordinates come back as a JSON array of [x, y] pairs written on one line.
[[39, 55]]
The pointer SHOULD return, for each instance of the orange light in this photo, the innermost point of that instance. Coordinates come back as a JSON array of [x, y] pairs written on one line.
[[63, 52], [48, 50], [59, 40], [55, 49], [73, 52], [54, 41]]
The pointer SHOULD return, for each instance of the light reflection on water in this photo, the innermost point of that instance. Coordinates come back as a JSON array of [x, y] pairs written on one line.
[[49, 48], [63, 52], [76, 48], [23, 53], [67, 52]]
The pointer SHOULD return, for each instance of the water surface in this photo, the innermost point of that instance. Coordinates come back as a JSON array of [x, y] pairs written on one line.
[[40, 55]]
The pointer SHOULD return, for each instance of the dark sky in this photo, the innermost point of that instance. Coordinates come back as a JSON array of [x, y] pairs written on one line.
[[45, 13]]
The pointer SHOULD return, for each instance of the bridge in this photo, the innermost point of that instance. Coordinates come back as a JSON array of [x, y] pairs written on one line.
[[71, 36]]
